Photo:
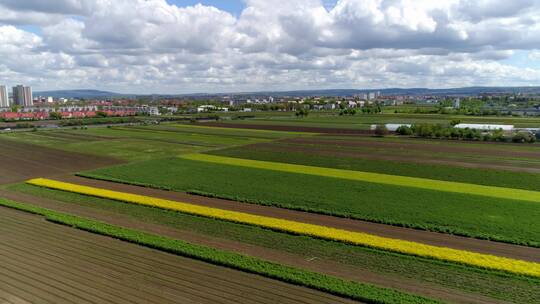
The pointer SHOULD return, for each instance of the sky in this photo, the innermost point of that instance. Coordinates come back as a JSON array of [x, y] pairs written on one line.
[[189, 46]]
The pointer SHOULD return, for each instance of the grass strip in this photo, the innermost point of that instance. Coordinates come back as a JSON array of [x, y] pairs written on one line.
[[415, 182], [350, 289], [340, 235]]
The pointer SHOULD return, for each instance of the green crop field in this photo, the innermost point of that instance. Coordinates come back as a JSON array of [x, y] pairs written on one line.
[[142, 143], [393, 180], [507, 220], [286, 153], [488, 283]]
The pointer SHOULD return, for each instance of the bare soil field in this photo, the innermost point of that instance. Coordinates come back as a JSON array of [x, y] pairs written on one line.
[[48, 263], [313, 264], [22, 161], [426, 237], [289, 128]]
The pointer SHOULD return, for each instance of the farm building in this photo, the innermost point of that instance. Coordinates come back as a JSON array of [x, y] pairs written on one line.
[[391, 127], [485, 127]]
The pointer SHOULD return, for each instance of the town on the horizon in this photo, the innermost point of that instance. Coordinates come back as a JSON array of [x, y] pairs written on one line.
[[22, 105]]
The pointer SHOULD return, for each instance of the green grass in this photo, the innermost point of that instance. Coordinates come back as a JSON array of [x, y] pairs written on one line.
[[272, 152], [489, 283], [505, 220], [350, 289]]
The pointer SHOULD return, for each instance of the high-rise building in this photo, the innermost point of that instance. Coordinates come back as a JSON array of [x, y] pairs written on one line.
[[28, 98], [4, 97], [22, 96]]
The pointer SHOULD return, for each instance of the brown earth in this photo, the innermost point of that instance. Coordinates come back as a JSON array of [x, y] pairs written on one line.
[[426, 237], [47, 263], [331, 150], [21, 161], [289, 128], [310, 263]]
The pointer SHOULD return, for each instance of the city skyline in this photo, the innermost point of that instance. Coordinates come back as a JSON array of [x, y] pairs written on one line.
[[169, 47]]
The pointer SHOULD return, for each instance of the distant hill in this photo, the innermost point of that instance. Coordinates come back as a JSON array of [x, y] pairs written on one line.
[[87, 94], [403, 91], [96, 94]]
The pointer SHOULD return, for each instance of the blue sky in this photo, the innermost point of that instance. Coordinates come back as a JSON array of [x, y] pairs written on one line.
[[232, 6], [521, 59]]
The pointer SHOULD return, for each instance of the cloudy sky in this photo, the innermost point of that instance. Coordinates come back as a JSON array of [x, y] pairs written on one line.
[[176, 46]]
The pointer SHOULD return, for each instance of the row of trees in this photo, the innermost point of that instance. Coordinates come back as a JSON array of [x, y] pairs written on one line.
[[449, 132]]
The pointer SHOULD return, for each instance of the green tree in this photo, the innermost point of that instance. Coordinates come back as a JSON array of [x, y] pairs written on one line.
[[55, 115], [381, 130]]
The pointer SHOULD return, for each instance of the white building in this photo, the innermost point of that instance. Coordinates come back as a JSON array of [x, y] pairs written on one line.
[[4, 97], [391, 127], [485, 127]]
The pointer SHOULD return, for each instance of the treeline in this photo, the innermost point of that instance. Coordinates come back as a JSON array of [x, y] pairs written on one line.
[[97, 121], [449, 132]]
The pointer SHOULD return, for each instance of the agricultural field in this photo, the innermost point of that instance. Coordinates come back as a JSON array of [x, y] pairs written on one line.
[[332, 120], [142, 143], [54, 268], [508, 220], [271, 209], [451, 282], [492, 164]]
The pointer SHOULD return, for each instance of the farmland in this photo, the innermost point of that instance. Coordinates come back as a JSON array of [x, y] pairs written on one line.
[[307, 214], [492, 165], [142, 143], [331, 120], [32, 265], [270, 244], [456, 213]]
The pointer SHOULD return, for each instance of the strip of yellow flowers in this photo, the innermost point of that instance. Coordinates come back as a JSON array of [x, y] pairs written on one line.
[[356, 238], [386, 179]]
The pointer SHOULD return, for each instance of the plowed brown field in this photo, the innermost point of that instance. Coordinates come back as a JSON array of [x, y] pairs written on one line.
[[48, 263], [22, 161]]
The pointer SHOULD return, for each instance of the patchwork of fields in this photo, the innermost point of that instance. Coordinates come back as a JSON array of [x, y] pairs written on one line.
[[308, 214], [332, 234], [507, 220]]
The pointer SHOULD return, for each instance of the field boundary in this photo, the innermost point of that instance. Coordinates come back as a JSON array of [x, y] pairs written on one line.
[[333, 234], [379, 178], [349, 289]]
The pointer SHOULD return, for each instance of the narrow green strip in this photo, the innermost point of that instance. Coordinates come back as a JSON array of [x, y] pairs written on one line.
[[396, 180], [350, 289]]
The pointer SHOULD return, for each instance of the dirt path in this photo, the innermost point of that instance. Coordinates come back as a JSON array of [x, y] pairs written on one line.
[[22, 161], [426, 237], [47, 263], [322, 266]]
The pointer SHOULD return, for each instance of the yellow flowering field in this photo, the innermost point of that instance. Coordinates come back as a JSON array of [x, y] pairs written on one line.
[[356, 238], [387, 179]]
